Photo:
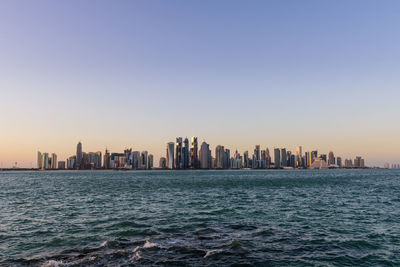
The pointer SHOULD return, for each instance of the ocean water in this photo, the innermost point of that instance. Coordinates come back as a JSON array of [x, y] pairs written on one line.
[[200, 218]]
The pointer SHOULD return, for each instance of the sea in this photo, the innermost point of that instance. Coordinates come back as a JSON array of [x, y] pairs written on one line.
[[200, 218]]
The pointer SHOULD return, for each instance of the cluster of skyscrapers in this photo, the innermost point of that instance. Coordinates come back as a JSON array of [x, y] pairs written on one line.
[[391, 166], [93, 160], [46, 161], [185, 154], [180, 155]]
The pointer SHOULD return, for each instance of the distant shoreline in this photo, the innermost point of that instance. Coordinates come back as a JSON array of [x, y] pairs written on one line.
[[158, 169]]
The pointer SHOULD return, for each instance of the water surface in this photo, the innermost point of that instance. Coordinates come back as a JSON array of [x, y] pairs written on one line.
[[274, 218]]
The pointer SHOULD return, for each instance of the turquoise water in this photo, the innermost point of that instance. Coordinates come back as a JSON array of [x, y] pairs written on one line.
[[273, 218]]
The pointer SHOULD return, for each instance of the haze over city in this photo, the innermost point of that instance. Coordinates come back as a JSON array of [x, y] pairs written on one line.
[[137, 74]]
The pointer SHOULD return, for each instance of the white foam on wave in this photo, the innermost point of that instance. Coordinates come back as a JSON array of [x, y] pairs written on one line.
[[53, 263], [149, 244], [175, 241], [212, 252]]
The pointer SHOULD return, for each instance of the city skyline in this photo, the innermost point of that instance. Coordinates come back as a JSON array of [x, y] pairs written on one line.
[[185, 154], [294, 149], [137, 72]]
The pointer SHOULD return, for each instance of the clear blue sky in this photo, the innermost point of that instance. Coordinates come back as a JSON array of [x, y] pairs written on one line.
[[322, 74]]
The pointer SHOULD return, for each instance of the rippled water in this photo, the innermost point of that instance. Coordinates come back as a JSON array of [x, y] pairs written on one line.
[[275, 218]]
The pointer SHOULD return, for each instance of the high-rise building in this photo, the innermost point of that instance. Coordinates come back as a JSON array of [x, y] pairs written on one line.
[[136, 160], [205, 156], [185, 154], [194, 160], [359, 162], [53, 161], [227, 159], [299, 153], [61, 165], [144, 160], [45, 161], [256, 157], [163, 163], [246, 159], [293, 161], [71, 161], [94, 160], [263, 160], [150, 161], [314, 155], [331, 158], [288, 158], [308, 159], [257, 152], [339, 162], [39, 160], [277, 158], [178, 153], [386, 165], [170, 155], [268, 158], [79, 156], [283, 157], [106, 160], [348, 163], [219, 157]]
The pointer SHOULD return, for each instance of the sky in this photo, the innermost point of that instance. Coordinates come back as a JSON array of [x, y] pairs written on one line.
[[117, 74]]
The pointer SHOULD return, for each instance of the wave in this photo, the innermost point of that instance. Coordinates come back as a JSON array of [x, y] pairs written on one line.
[[149, 244], [53, 263], [212, 252]]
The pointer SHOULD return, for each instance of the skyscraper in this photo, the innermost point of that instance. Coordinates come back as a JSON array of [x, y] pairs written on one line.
[[219, 157], [359, 162], [39, 160], [53, 161], [205, 156], [283, 157], [227, 159], [293, 161], [308, 160], [263, 160], [314, 155], [106, 160], [144, 160], [267, 158], [299, 153], [194, 160], [150, 161], [257, 152], [136, 160], [331, 158], [246, 159], [79, 156], [339, 162], [277, 158], [348, 163], [256, 157], [61, 165], [163, 163], [170, 155], [45, 161], [289, 158], [185, 154], [178, 153]]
